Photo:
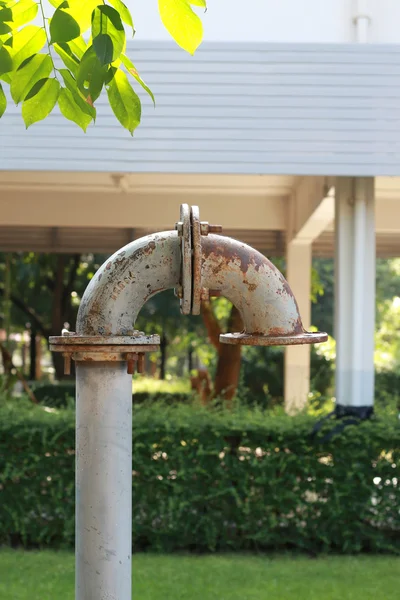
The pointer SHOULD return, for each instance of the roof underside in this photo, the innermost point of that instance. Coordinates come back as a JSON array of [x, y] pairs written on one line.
[[101, 212], [109, 239]]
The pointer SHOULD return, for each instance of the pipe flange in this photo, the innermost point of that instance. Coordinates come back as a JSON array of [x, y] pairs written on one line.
[[73, 339], [105, 349], [246, 339], [185, 292], [196, 241]]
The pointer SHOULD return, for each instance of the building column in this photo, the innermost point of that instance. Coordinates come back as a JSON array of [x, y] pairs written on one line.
[[355, 295], [297, 358]]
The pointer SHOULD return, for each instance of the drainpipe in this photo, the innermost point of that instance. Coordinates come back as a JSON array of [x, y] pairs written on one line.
[[362, 21], [108, 349]]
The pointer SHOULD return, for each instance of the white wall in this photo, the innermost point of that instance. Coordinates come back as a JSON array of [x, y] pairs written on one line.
[[385, 23], [279, 21], [257, 20], [314, 21]]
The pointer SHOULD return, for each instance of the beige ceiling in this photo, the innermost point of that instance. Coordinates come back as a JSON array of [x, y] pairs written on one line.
[[100, 212]]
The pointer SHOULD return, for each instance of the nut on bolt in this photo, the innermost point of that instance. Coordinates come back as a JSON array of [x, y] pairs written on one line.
[[179, 228], [206, 228], [131, 361], [140, 363], [67, 363]]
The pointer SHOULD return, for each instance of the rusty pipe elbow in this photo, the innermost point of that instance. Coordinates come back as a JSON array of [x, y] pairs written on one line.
[[122, 285], [258, 290]]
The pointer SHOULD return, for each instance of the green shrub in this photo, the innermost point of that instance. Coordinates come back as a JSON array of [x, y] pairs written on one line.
[[61, 394], [161, 397], [212, 480], [387, 388], [57, 395]]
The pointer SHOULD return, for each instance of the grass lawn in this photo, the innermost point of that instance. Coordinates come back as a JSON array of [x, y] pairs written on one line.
[[50, 576]]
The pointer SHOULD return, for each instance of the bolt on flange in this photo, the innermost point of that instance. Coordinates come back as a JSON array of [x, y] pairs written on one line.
[[206, 228]]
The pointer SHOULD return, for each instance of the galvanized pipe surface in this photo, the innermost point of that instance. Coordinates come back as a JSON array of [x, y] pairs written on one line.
[[253, 284], [122, 285], [103, 481]]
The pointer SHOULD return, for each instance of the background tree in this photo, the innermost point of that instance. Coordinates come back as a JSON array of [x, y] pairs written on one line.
[[77, 51], [45, 291], [161, 315]]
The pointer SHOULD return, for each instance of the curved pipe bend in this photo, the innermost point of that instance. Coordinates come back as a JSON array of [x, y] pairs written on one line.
[[253, 284], [152, 264], [124, 283]]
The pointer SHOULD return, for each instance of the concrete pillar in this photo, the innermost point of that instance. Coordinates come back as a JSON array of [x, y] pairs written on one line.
[[355, 295], [297, 358]]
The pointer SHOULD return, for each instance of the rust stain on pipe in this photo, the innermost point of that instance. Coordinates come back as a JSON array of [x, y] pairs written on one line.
[[257, 289]]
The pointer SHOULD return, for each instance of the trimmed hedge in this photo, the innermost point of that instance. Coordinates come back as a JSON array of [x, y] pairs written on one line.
[[61, 394], [212, 480], [57, 395]]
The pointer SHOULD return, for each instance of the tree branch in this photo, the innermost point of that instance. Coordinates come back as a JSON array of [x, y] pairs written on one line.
[[211, 323], [235, 323], [29, 312], [8, 366], [68, 288]]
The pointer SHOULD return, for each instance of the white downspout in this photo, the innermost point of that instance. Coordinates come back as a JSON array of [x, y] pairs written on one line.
[[362, 21]]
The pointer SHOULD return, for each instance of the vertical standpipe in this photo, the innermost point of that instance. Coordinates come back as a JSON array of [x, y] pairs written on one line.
[[103, 481]]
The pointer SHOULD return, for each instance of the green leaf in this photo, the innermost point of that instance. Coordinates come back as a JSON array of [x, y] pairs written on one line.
[[20, 13], [124, 101], [25, 43], [6, 77], [4, 38], [40, 101], [182, 23], [63, 27], [123, 12], [108, 34], [37, 68], [72, 86], [128, 64], [3, 101], [78, 46], [71, 110], [82, 10], [68, 57], [6, 63], [5, 15], [91, 76], [4, 28]]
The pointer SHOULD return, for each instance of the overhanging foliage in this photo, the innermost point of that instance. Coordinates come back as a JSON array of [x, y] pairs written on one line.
[[89, 36]]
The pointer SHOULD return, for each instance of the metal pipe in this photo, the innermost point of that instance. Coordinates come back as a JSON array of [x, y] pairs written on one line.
[[359, 274], [105, 332], [253, 284], [103, 481], [362, 21], [122, 285]]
